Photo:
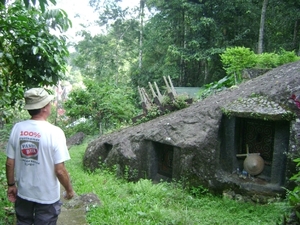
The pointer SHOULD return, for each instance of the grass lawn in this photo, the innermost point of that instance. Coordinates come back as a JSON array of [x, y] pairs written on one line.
[[143, 202], [165, 203]]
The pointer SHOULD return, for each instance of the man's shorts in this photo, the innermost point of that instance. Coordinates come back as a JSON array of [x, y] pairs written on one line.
[[29, 213]]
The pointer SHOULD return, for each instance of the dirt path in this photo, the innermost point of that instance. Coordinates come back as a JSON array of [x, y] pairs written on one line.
[[72, 213], [71, 217]]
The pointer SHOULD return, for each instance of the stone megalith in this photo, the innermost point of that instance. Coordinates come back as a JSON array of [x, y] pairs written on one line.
[[207, 143]]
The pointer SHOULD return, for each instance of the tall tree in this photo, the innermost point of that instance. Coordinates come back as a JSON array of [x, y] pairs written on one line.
[[184, 38], [280, 30], [109, 55], [262, 26], [29, 54], [142, 8]]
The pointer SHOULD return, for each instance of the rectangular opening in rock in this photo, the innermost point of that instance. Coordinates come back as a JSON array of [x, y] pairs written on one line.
[[164, 157], [108, 148], [258, 137], [268, 138]]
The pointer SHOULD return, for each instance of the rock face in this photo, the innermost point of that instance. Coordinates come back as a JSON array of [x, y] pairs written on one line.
[[205, 144], [76, 139]]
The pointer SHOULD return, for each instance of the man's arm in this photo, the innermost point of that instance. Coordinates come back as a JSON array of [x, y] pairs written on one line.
[[10, 177], [64, 178], [10, 170]]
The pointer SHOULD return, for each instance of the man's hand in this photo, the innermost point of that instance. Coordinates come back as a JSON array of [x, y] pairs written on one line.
[[12, 193], [68, 194]]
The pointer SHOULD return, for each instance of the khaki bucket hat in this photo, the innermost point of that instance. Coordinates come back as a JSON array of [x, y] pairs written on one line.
[[37, 98]]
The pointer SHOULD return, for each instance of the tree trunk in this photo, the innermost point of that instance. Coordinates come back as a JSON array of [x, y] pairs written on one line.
[[182, 80], [261, 28], [205, 70], [295, 35], [142, 6]]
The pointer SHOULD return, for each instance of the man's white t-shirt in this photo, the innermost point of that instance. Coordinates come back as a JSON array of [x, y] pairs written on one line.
[[36, 147]]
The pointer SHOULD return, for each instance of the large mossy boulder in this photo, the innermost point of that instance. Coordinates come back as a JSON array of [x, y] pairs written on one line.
[[192, 143]]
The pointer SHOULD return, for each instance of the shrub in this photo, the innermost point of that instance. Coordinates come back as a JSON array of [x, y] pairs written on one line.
[[272, 60], [267, 60], [236, 59], [287, 57], [213, 87], [103, 103]]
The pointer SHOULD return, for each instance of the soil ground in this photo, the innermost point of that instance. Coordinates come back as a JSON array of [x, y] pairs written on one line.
[[71, 215]]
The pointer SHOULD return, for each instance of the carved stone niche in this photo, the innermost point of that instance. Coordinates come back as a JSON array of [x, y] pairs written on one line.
[[161, 166], [268, 138], [255, 125]]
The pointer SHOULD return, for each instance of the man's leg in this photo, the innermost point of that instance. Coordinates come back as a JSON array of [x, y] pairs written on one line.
[[24, 211], [47, 214]]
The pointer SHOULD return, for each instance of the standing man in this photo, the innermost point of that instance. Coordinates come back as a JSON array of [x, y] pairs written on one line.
[[35, 168]]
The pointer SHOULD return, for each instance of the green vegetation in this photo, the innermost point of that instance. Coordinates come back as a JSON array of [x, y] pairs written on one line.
[[6, 207], [100, 103], [236, 59], [164, 203], [30, 55], [214, 87], [294, 195], [146, 203], [184, 39]]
